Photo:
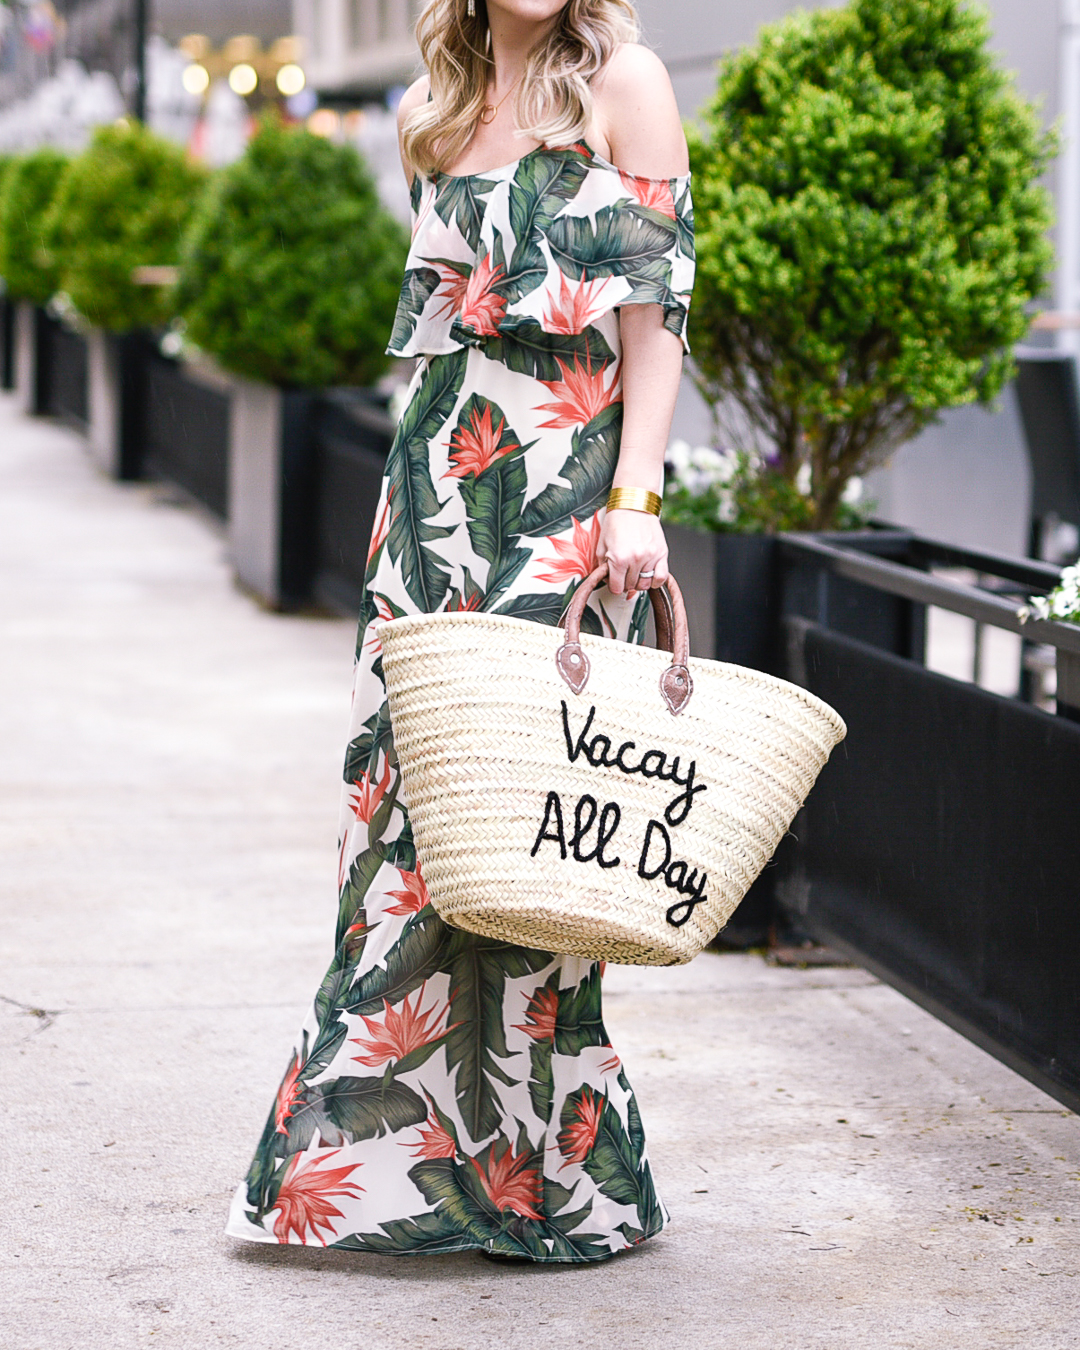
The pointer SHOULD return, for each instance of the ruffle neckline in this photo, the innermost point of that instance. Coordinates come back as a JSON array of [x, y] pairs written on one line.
[[550, 243]]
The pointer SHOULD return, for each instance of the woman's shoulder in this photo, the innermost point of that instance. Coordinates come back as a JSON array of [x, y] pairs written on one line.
[[414, 97], [635, 107]]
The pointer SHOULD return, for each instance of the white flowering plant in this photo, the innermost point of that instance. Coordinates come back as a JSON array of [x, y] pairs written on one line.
[[1063, 602], [739, 491]]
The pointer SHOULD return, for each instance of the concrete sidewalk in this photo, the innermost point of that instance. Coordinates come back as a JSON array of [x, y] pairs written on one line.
[[842, 1170]]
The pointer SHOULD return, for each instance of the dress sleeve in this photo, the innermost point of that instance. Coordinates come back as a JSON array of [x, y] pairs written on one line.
[[635, 249]]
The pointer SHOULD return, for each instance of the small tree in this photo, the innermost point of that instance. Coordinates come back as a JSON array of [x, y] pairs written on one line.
[[28, 188], [123, 203], [291, 270], [870, 230]]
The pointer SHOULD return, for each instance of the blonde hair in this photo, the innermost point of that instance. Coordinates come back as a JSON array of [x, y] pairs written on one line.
[[553, 102]]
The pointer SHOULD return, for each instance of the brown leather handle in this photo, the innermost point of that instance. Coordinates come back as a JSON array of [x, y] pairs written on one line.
[[672, 631]]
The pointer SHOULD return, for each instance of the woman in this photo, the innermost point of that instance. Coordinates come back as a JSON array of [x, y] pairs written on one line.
[[447, 1091]]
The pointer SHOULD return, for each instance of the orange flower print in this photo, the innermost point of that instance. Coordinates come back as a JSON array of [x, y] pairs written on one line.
[[475, 447], [652, 192], [579, 395], [303, 1201], [540, 1015], [455, 284], [575, 558], [458, 604], [414, 897], [399, 1033], [382, 528], [509, 1182], [577, 1139], [482, 306], [368, 794], [288, 1096], [382, 611], [575, 309], [434, 1143]]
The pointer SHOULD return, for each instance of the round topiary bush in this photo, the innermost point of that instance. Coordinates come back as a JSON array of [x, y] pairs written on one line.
[[122, 204], [870, 230], [291, 269], [28, 188]]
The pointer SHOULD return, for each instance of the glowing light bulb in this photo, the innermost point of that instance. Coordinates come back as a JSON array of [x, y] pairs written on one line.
[[290, 79], [243, 79], [195, 78]]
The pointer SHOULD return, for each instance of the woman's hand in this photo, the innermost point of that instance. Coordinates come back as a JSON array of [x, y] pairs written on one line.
[[632, 542]]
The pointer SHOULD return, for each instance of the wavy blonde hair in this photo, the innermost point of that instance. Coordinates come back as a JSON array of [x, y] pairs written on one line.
[[553, 102]]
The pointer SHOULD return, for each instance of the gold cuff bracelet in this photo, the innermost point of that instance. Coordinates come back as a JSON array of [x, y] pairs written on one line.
[[634, 499]]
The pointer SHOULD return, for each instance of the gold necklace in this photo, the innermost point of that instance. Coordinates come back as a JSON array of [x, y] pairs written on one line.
[[490, 111]]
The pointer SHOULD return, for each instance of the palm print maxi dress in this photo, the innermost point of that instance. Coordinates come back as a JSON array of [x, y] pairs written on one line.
[[449, 1091]]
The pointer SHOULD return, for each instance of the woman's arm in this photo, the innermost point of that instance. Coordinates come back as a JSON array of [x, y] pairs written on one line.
[[638, 118]]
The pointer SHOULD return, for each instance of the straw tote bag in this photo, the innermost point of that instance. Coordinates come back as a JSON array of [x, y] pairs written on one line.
[[581, 795]]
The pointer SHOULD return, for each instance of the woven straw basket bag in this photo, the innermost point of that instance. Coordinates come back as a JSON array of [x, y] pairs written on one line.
[[576, 794]]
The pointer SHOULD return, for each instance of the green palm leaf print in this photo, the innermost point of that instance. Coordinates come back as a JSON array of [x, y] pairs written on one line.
[[408, 472], [416, 290], [478, 969], [622, 243], [589, 470], [368, 1108], [460, 200], [527, 349]]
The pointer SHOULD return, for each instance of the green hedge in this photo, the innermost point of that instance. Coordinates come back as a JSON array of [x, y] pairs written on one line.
[[25, 197], [123, 203], [291, 269]]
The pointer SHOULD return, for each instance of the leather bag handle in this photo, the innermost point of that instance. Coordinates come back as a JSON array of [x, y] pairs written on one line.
[[672, 632]]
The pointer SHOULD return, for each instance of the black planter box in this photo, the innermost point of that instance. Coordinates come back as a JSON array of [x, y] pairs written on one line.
[[739, 588]]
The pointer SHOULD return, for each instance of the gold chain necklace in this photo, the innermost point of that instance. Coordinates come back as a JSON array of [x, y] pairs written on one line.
[[490, 111]]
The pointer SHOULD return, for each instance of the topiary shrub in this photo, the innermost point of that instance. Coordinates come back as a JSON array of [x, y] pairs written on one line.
[[27, 192], [292, 267], [123, 203], [869, 231], [291, 270]]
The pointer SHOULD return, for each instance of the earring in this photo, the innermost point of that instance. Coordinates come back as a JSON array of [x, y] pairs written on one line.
[[470, 8]]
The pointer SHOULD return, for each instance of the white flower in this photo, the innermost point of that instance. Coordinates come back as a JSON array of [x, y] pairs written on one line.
[[852, 493], [1063, 602], [803, 480], [699, 468]]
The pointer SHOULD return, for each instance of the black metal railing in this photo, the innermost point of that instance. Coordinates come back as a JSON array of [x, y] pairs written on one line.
[[938, 847]]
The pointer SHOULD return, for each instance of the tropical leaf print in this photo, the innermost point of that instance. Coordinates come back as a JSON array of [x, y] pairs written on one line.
[[610, 1160], [377, 738], [437, 1231], [416, 290], [409, 475], [579, 1022], [541, 187], [368, 1108], [362, 871], [622, 242], [539, 1025], [460, 201], [409, 963], [493, 481], [527, 349], [588, 469], [478, 970]]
